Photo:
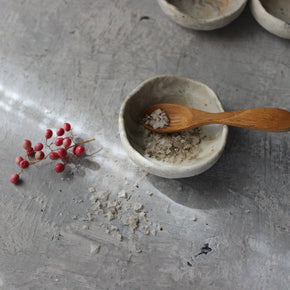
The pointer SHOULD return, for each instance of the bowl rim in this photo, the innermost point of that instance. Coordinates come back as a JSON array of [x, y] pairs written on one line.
[[206, 20], [262, 16], [170, 170]]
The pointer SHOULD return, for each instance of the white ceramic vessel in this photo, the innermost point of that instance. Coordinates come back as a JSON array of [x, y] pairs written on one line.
[[171, 89], [273, 15], [202, 14]]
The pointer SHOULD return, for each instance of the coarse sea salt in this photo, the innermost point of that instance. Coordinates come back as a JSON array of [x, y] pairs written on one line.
[[157, 119], [123, 194], [174, 147], [95, 249]]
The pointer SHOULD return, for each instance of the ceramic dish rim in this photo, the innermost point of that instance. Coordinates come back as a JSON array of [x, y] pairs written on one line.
[[186, 170], [206, 20]]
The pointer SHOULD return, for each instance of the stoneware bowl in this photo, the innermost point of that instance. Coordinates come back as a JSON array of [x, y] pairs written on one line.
[[273, 15], [179, 90], [203, 14]]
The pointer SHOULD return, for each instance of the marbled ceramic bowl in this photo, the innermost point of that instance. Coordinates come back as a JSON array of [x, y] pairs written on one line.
[[179, 90], [202, 14], [273, 15]]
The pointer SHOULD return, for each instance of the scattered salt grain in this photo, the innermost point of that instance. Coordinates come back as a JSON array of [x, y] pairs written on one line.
[[194, 218], [95, 249], [92, 189], [90, 216], [97, 206], [149, 193], [110, 216], [122, 194], [137, 249], [142, 214], [111, 204], [132, 222], [101, 196], [157, 119], [138, 207], [85, 227], [114, 228], [146, 230], [118, 236]]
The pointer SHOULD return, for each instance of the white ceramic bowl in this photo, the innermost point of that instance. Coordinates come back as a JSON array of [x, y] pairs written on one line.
[[179, 90], [204, 14], [273, 15]]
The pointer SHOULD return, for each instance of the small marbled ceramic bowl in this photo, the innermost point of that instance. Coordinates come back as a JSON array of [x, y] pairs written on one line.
[[203, 14], [273, 15], [179, 90]]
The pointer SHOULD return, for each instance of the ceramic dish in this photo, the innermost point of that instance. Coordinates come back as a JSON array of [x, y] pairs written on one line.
[[273, 15], [202, 14], [171, 89]]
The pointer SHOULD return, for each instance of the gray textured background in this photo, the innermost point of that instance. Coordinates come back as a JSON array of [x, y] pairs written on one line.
[[76, 61]]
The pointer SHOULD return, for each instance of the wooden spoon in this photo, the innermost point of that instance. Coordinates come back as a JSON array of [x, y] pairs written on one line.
[[184, 118]]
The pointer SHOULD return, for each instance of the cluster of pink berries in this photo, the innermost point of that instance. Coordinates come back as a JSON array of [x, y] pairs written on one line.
[[61, 145]]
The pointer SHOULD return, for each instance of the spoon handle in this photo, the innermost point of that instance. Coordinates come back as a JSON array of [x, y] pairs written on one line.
[[263, 119]]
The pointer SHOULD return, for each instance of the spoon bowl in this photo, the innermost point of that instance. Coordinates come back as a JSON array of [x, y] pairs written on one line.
[[184, 118]]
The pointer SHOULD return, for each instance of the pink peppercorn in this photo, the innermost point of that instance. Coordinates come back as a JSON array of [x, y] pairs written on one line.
[[53, 155], [38, 146], [59, 167], [18, 159], [39, 155], [79, 150], [62, 153], [26, 144], [24, 164], [66, 126], [48, 133], [60, 132], [66, 142], [58, 141], [14, 178], [74, 149], [30, 151]]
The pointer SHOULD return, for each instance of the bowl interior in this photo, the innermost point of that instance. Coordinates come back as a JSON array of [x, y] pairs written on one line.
[[206, 9], [278, 8], [172, 89]]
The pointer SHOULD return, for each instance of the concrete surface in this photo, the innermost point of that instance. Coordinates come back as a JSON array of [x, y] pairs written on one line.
[[75, 61]]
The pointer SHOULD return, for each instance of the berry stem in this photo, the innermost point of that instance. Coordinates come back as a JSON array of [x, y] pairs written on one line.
[[87, 141], [61, 152], [83, 142]]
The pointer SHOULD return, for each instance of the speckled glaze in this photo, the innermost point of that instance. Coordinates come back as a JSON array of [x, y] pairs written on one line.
[[171, 89], [273, 15], [203, 15]]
